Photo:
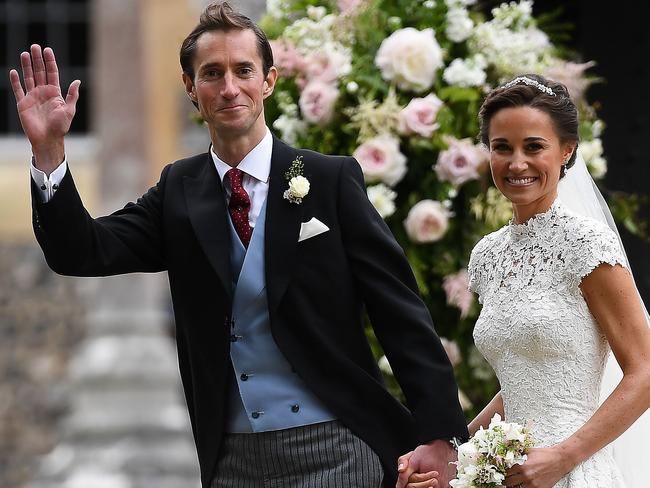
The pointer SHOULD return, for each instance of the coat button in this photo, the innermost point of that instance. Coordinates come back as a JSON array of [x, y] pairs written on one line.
[[244, 377], [255, 415], [43, 187], [295, 408]]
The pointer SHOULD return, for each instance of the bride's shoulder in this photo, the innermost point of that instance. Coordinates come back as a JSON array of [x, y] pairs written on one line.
[[486, 247], [584, 231]]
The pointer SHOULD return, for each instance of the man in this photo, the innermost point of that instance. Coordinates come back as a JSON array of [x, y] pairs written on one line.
[[273, 255]]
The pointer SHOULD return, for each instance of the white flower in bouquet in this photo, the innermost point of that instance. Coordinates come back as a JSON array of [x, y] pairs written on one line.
[[383, 199], [419, 116], [317, 101], [276, 8], [459, 25], [462, 161], [410, 58], [381, 160], [427, 221], [484, 460], [459, 3], [466, 72]]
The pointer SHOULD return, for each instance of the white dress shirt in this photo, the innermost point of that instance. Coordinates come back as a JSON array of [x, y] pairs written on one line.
[[256, 167]]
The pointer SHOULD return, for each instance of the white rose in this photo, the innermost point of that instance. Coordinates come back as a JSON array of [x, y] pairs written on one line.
[[427, 221], [299, 186], [383, 199], [381, 160], [410, 58], [419, 116]]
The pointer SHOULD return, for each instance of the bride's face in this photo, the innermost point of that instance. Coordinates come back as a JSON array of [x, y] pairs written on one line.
[[526, 155]]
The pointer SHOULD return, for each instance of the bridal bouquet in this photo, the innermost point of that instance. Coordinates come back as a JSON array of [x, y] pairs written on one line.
[[484, 460]]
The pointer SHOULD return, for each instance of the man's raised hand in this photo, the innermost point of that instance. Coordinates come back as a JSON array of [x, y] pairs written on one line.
[[44, 115]]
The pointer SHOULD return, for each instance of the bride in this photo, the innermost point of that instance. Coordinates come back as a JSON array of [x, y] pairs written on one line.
[[557, 295]]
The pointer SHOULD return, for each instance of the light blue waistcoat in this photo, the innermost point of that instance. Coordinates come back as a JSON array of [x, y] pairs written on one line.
[[264, 394]]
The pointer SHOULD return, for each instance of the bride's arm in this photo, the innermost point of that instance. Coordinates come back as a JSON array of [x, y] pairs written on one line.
[[483, 418], [614, 302]]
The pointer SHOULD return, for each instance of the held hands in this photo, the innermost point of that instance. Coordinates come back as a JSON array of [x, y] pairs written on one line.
[[44, 114], [427, 466], [543, 469]]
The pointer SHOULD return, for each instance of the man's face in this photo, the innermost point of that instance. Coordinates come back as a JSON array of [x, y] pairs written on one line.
[[229, 83]]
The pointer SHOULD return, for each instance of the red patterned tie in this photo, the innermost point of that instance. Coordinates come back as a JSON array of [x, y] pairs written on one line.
[[239, 205]]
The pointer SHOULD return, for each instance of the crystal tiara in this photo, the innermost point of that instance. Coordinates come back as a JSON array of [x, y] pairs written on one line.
[[530, 82]]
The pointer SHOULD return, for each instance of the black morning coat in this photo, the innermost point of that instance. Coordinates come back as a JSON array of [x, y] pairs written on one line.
[[319, 292]]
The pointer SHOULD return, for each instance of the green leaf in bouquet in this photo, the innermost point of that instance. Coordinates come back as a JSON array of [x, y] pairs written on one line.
[[458, 94]]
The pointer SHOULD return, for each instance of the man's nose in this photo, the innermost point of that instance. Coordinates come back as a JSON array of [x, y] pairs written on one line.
[[229, 89]]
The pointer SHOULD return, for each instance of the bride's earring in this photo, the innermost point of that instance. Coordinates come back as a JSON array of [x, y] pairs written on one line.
[[563, 169]]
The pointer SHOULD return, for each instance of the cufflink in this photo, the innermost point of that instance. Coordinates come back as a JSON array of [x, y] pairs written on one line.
[[43, 187]]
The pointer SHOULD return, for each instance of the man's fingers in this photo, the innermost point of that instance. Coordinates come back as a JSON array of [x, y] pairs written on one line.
[[16, 86], [403, 477], [51, 69], [73, 93], [424, 484], [403, 461], [417, 477], [28, 73], [39, 65]]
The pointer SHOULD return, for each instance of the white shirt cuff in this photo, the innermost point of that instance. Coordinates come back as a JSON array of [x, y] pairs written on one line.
[[48, 186]]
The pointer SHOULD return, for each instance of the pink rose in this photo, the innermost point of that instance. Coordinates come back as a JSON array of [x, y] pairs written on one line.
[[419, 116], [381, 160], [349, 6], [286, 58], [317, 101], [456, 288], [461, 161], [427, 221], [328, 64]]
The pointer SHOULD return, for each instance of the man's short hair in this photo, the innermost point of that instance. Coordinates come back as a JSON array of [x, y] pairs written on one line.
[[220, 16]]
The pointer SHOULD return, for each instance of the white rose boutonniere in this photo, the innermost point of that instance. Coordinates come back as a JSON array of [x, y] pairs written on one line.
[[298, 184]]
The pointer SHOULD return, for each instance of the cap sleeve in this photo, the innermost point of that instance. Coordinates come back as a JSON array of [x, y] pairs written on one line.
[[593, 245]]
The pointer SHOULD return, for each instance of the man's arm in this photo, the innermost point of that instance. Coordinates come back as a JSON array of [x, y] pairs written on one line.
[[73, 243], [403, 326]]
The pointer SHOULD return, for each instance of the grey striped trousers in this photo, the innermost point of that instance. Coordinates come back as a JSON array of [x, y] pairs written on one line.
[[324, 455]]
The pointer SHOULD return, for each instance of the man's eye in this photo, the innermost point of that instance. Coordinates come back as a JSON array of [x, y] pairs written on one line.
[[245, 71]]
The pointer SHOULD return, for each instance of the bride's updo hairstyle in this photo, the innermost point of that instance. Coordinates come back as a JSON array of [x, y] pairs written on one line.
[[537, 92]]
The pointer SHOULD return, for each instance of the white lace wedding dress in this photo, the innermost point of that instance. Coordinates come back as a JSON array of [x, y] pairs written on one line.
[[536, 331]]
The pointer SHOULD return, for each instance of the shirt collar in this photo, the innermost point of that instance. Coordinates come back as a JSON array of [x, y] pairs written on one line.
[[257, 163]]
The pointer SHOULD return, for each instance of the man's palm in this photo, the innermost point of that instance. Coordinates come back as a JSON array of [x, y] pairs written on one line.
[[44, 114]]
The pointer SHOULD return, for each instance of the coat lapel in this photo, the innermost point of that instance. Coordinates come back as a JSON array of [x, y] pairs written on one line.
[[206, 206], [282, 226]]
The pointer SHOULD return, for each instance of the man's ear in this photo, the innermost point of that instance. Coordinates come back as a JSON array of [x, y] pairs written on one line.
[[190, 89], [269, 81]]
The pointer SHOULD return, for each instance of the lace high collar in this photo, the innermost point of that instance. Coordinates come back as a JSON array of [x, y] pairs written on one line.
[[536, 222]]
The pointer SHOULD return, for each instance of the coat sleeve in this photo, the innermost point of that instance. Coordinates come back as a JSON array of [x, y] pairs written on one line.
[[398, 315], [75, 244]]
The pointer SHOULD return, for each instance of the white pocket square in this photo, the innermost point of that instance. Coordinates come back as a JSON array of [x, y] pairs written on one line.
[[311, 229]]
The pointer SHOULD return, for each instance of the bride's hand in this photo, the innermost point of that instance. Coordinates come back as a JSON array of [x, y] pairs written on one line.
[[543, 469]]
